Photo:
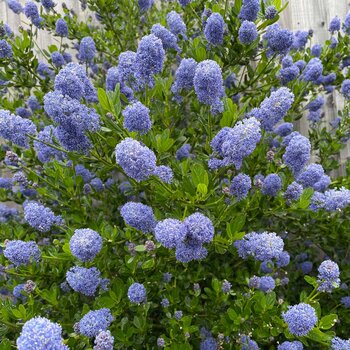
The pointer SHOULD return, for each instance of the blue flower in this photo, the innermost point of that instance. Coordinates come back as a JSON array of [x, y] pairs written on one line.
[[226, 286], [249, 10], [235, 144], [137, 293], [247, 32], [83, 280], [186, 252], [291, 345], [18, 292], [328, 276], [31, 10], [293, 192], [313, 70], [279, 41], [240, 186], [170, 232], [126, 65], [345, 89], [316, 50], [340, 344], [145, 4], [300, 39], [136, 118], [199, 228], [311, 175], [104, 341], [271, 185], [169, 40], [297, 154], [289, 74], [45, 152], [21, 253], [214, 29], [208, 344], [57, 59], [267, 284], [87, 49], [184, 2], [40, 333], [208, 85], [274, 108], [300, 318], [5, 49], [345, 301], [61, 27], [15, 129], [271, 12], [33, 103], [322, 184], [85, 244], [149, 60], [44, 70], [40, 217], [161, 342], [262, 246], [138, 161], [95, 322], [176, 24], [248, 344], [334, 24], [284, 129], [48, 4], [139, 216], [331, 200], [5, 183], [184, 75], [183, 152], [164, 173], [15, 6]]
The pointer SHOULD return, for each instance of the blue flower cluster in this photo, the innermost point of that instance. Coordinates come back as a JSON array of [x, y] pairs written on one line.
[[240, 186], [95, 322], [274, 108], [291, 345], [40, 217], [104, 341], [169, 40], [85, 244], [262, 246], [176, 24], [328, 276], [136, 118], [249, 10], [87, 49], [279, 41], [235, 144], [15, 128], [214, 29], [39, 333], [331, 200], [84, 280], [300, 318], [31, 11], [184, 76], [139, 216], [186, 237], [21, 253], [137, 293], [247, 32], [208, 85], [139, 162]]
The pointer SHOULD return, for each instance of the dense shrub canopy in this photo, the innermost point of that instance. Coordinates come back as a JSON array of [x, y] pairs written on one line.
[[156, 190]]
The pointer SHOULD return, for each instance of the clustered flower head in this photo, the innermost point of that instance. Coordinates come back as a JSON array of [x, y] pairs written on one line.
[[186, 237], [297, 153], [137, 293], [149, 59], [249, 10], [235, 144], [328, 276], [291, 345], [169, 40], [176, 24], [139, 162], [262, 246], [21, 253], [84, 280], [300, 318], [87, 49], [274, 108], [208, 85], [61, 28], [40, 217], [95, 322], [139, 216], [184, 76], [104, 341], [136, 118], [39, 333], [214, 29], [271, 185], [247, 343], [240, 186], [85, 244], [15, 128], [247, 32], [5, 49], [340, 344], [279, 41], [331, 200]]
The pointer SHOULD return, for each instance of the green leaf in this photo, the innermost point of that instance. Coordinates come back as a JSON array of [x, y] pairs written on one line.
[[103, 98], [140, 248], [328, 321], [236, 224], [305, 198], [202, 189], [311, 280], [5, 344], [318, 336], [232, 314], [199, 175], [148, 264]]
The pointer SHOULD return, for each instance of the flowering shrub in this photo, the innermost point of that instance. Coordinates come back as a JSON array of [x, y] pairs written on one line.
[[157, 193]]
